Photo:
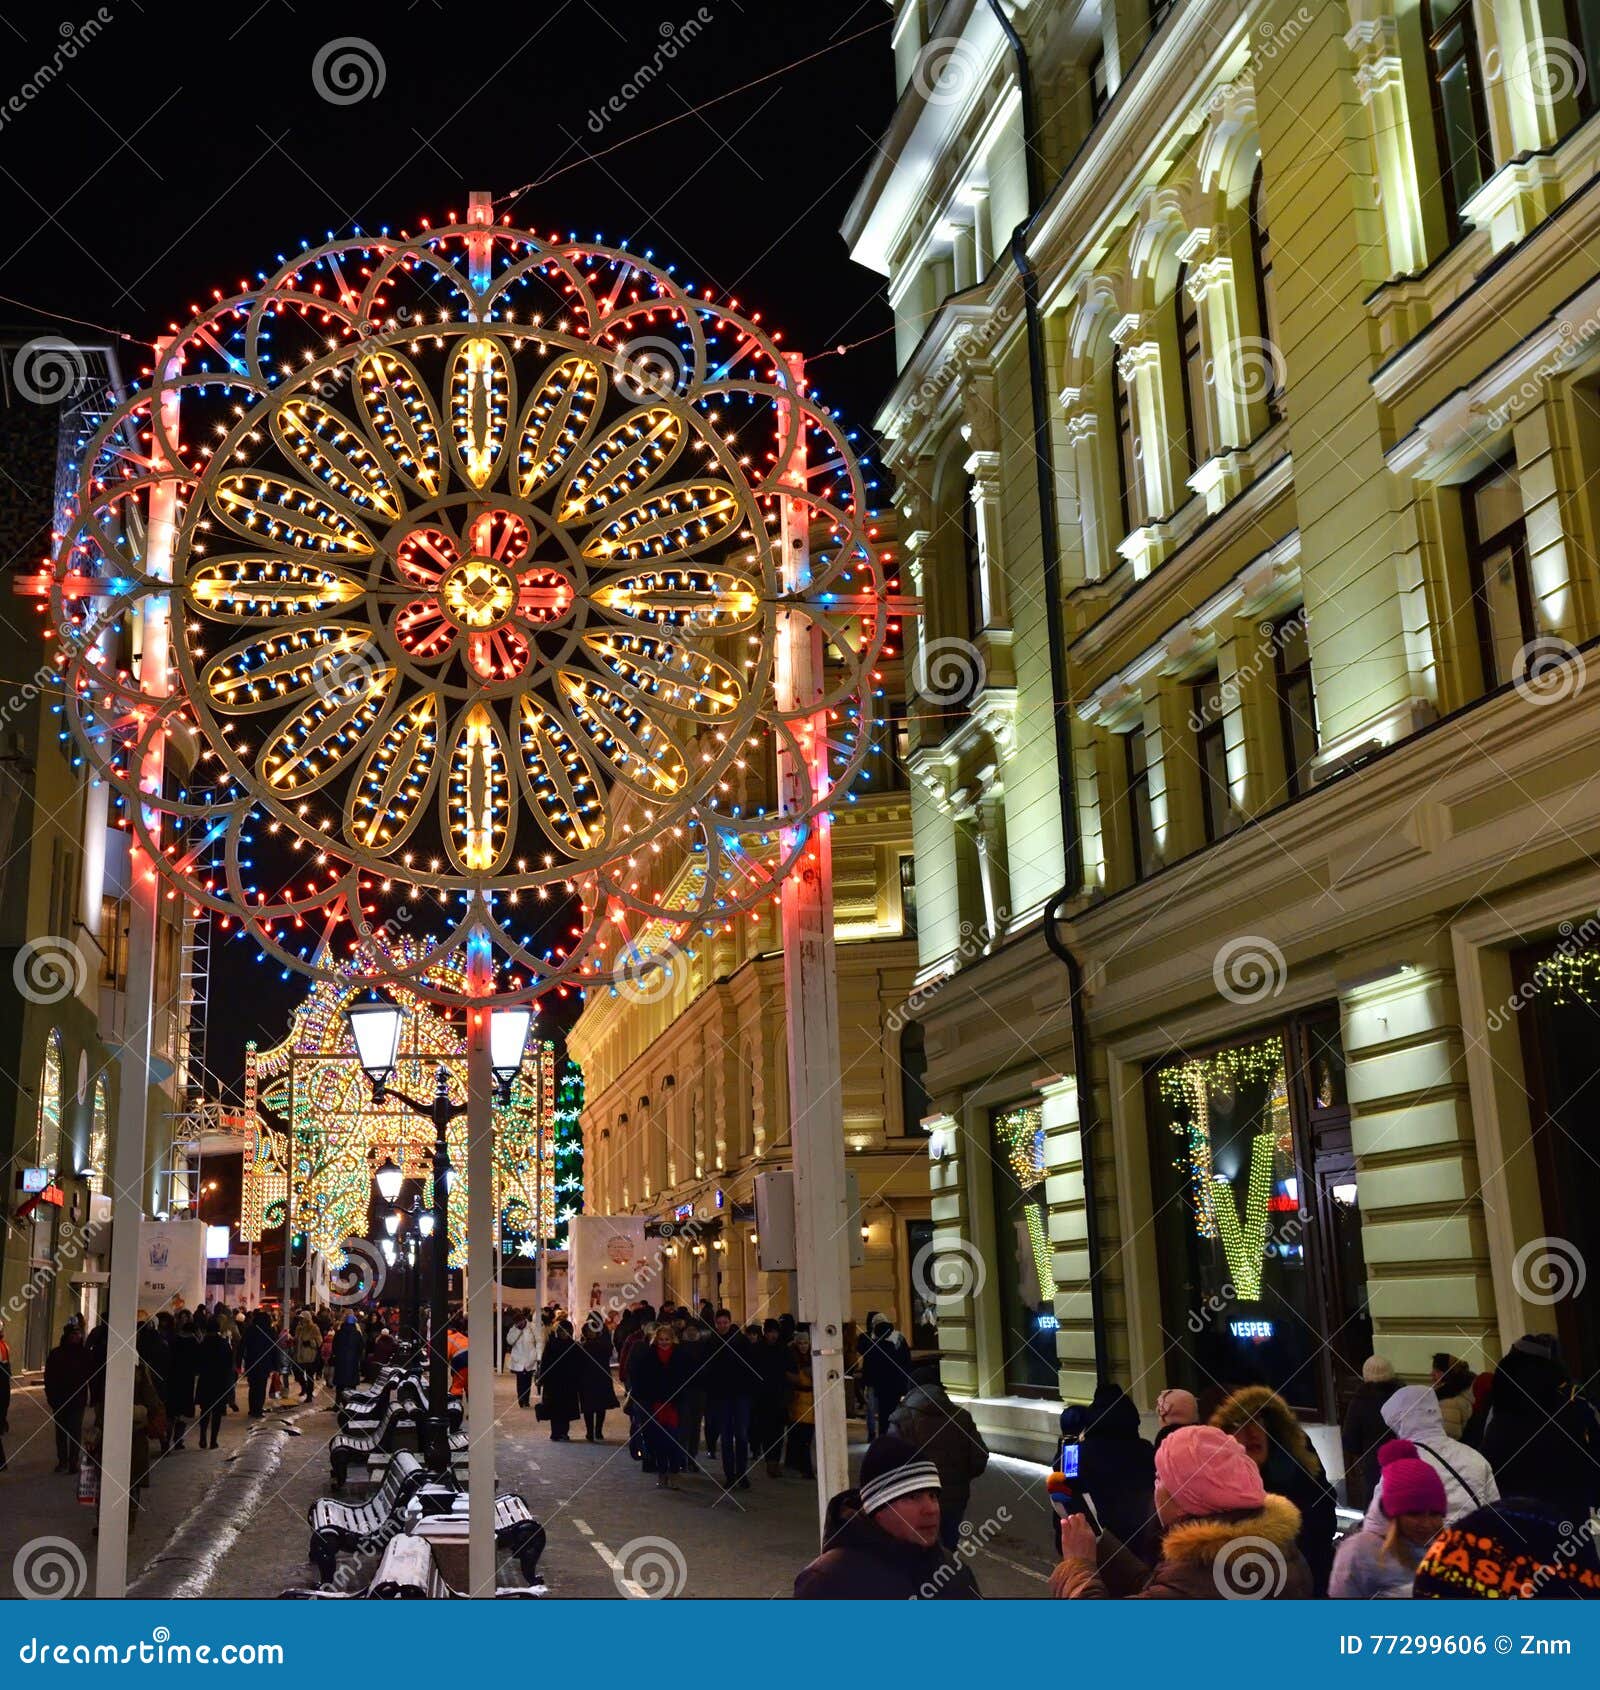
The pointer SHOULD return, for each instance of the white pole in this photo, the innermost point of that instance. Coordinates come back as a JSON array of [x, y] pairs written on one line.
[[810, 984], [480, 1274], [128, 1171]]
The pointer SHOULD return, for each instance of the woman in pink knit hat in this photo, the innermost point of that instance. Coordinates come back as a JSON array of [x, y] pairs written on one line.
[[1222, 1533], [1381, 1559]]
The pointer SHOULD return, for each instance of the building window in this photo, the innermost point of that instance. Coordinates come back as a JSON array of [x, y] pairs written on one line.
[[1127, 455], [47, 1144], [972, 562], [1460, 120], [914, 1105], [1297, 700], [1141, 826], [1160, 11], [1191, 359], [114, 943], [99, 1141], [908, 895], [1022, 1244], [1266, 298], [1099, 88], [1211, 753], [1256, 1215], [1583, 32], [924, 1333], [1497, 563]]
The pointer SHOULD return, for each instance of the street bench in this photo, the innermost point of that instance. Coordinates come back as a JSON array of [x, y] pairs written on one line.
[[378, 1460], [338, 1527], [407, 1572], [373, 1402]]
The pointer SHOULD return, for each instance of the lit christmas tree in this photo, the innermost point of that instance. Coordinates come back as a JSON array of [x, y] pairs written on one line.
[[569, 1147]]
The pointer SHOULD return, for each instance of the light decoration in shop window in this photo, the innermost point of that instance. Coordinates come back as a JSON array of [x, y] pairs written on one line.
[[313, 1082], [1190, 1089], [1019, 1134], [1569, 974], [475, 602]]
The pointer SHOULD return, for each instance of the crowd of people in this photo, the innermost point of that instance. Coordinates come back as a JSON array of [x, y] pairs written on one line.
[[1471, 1487]]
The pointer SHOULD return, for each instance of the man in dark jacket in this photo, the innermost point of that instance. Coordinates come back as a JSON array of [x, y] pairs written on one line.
[[948, 1437], [1117, 1471], [1541, 1438], [66, 1390], [886, 1368], [730, 1377], [1364, 1429], [770, 1415], [259, 1353], [890, 1550]]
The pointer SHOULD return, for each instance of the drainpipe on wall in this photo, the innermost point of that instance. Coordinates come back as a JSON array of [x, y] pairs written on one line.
[[1050, 554]]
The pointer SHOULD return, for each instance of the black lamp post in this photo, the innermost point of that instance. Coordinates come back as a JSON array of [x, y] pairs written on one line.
[[376, 1030]]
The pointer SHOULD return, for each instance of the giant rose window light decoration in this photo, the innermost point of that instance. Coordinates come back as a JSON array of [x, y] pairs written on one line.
[[475, 597]]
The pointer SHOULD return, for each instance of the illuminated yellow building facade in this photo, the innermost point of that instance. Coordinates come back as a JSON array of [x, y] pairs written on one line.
[[1246, 438]]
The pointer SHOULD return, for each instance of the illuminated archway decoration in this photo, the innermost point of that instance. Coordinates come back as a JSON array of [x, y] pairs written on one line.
[[475, 599], [313, 1082]]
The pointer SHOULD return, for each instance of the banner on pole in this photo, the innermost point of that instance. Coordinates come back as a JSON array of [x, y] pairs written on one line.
[[611, 1264], [172, 1265]]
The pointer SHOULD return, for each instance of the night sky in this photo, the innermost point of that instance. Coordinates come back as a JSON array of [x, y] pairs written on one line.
[[173, 154]]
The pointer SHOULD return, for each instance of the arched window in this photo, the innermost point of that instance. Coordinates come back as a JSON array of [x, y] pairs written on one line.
[[1126, 455], [1266, 300], [1191, 360], [971, 560], [99, 1141], [47, 1149], [913, 1078]]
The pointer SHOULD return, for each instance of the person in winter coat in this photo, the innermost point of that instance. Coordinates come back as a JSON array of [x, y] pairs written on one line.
[[1540, 1437], [258, 1351], [798, 1454], [947, 1436], [886, 1368], [1364, 1429], [655, 1380], [769, 1414], [1381, 1559], [596, 1397], [522, 1356], [1117, 1470], [307, 1354], [181, 1379], [347, 1352], [888, 1549], [1274, 1439], [1452, 1385], [1223, 1534], [66, 1394], [1472, 1432], [1469, 1482], [558, 1381], [1521, 1549], [1175, 1408], [729, 1372], [213, 1378]]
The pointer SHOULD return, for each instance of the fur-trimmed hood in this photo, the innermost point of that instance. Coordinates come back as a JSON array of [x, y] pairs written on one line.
[[1199, 1542]]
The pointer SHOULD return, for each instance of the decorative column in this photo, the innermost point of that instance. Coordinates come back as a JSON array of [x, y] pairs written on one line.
[[981, 430], [1175, 810], [1374, 40], [1139, 365]]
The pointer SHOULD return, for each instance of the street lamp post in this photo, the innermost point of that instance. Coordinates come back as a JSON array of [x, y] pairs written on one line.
[[376, 1030]]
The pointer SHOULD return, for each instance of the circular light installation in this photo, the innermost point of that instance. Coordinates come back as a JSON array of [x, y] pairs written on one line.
[[476, 595]]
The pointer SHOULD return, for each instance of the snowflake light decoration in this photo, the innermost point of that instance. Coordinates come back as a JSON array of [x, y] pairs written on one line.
[[475, 596]]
